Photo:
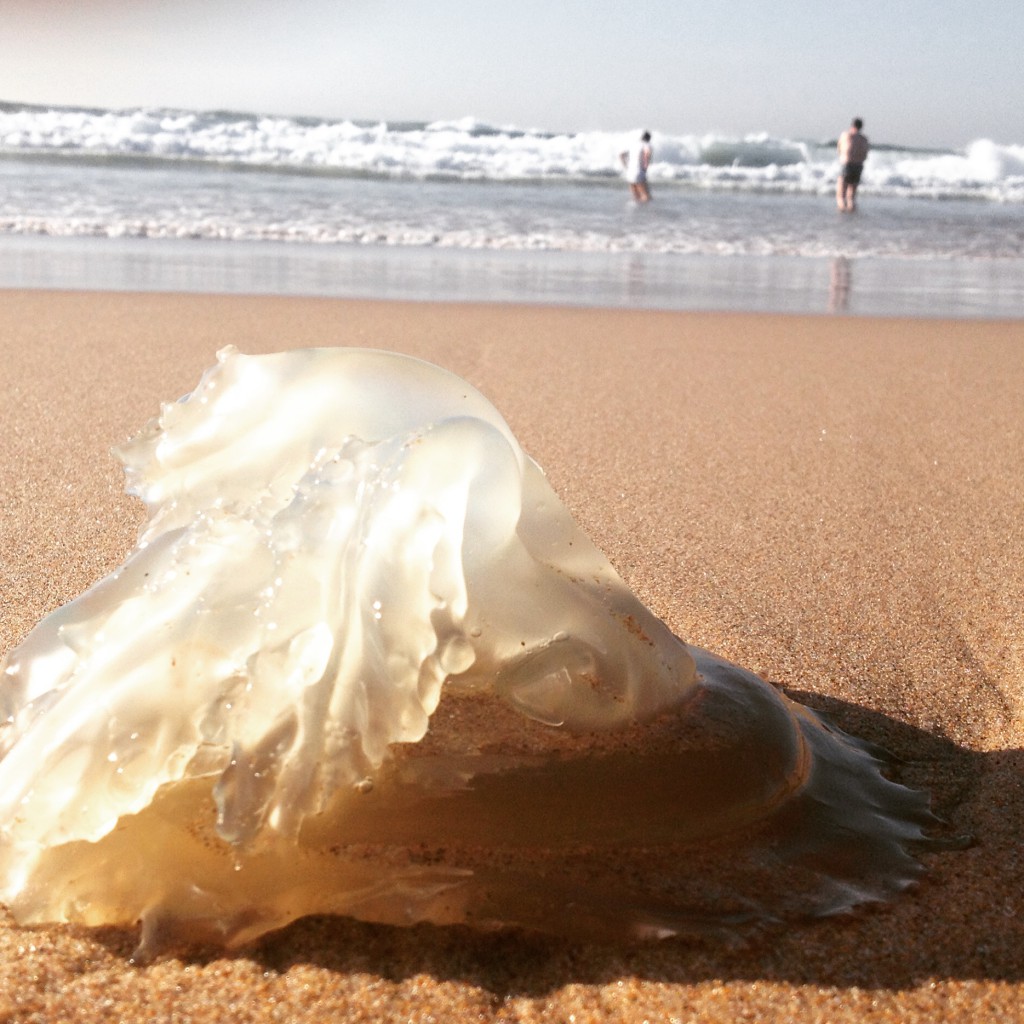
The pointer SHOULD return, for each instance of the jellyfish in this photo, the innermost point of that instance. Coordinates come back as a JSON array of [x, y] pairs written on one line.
[[363, 662]]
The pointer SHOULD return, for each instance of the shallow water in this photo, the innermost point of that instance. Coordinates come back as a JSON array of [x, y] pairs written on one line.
[[127, 199], [68, 198]]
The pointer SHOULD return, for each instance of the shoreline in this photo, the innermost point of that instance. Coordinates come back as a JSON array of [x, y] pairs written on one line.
[[829, 285], [835, 503]]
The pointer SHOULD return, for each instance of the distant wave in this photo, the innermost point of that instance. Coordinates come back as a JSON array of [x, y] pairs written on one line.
[[471, 150]]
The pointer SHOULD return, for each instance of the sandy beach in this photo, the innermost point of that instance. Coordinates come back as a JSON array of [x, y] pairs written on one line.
[[836, 503]]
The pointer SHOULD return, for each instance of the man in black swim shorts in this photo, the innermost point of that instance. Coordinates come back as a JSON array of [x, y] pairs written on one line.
[[853, 151]]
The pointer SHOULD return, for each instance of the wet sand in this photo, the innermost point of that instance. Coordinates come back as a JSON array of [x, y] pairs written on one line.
[[836, 503], [861, 286]]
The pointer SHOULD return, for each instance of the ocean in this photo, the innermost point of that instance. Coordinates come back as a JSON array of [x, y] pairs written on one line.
[[221, 201]]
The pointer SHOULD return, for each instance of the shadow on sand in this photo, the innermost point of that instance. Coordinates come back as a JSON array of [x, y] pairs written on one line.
[[962, 921]]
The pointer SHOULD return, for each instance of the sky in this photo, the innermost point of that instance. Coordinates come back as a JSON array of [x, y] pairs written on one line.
[[920, 72]]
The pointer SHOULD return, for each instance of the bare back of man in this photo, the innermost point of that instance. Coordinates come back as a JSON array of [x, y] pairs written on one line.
[[853, 150]]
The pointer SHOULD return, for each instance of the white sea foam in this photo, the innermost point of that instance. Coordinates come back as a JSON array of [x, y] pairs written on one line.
[[469, 149], [463, 184]]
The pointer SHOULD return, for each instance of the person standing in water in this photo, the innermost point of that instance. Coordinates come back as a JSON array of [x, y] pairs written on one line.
[[636, 160], [853, 151]]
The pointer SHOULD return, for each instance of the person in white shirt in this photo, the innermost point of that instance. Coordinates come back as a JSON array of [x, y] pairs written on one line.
[[636, 160]]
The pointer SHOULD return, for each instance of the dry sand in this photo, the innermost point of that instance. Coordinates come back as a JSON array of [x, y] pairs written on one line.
[[836, 503]]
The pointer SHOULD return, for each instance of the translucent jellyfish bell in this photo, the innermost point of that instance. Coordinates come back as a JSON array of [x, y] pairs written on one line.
[[362, 661]]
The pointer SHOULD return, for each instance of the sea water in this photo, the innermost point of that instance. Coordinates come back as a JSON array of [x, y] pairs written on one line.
[[237, 202]]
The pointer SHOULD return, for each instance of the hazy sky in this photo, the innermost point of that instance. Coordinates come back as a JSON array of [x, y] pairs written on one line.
[[922, 72]]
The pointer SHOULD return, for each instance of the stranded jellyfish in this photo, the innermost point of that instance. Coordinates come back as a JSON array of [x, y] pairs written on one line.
[[363, 662]]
